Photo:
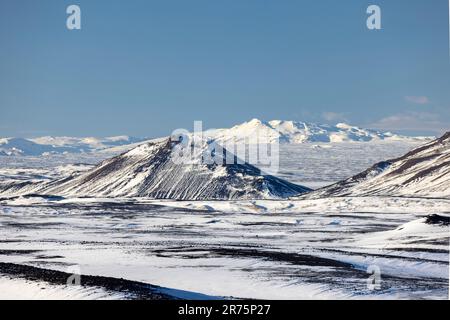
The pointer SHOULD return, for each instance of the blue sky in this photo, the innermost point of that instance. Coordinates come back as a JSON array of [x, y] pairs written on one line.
[[145, 67]]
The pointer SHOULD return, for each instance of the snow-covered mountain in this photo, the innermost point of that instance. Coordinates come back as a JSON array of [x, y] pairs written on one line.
[[301, 132], [253, 131], [422, 172], [153, 170], [55, 145]]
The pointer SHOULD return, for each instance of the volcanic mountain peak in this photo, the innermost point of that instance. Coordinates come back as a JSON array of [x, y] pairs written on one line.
[[169, 169]]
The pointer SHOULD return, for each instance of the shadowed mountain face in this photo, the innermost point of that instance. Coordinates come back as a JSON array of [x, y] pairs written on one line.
[[152, 170], [423, 172]]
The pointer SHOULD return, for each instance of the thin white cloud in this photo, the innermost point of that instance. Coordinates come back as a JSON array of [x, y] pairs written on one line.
[[412, 121], [417, 99]]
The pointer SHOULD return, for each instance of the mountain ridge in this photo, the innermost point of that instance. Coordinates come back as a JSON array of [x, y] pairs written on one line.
[[274, 131]]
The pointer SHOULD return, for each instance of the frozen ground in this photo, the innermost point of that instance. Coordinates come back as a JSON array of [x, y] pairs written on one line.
[[296, 253], [249, 249]]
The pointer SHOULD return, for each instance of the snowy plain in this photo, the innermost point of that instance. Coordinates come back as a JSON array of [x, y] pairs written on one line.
[[302, 249]]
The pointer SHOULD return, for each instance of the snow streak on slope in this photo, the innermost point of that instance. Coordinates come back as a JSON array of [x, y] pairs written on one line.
[[423, 172], [300, 132], [151, 170]]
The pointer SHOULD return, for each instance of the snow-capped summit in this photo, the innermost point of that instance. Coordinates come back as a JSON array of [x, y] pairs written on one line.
[[253, 131], [168, 169], [422, 172], [300, 132]]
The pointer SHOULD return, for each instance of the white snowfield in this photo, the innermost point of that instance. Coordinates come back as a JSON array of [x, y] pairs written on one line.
[[297, 248], [307, 249]]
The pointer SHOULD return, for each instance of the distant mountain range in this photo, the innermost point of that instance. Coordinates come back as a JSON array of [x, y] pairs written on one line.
[[59, 145], [301, 132], [266, 132], [422, 172]]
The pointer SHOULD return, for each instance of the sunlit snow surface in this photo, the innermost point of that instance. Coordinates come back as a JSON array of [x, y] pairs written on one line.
[[242, 249]]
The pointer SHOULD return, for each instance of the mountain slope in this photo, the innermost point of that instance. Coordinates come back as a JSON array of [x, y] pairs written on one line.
[[152, 170], [423, 172]]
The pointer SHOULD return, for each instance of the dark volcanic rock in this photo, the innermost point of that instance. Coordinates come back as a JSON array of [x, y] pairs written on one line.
[[437, 220]]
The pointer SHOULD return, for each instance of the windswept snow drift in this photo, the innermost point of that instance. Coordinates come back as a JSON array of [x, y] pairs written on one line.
[[422, 172], [151, 170]]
